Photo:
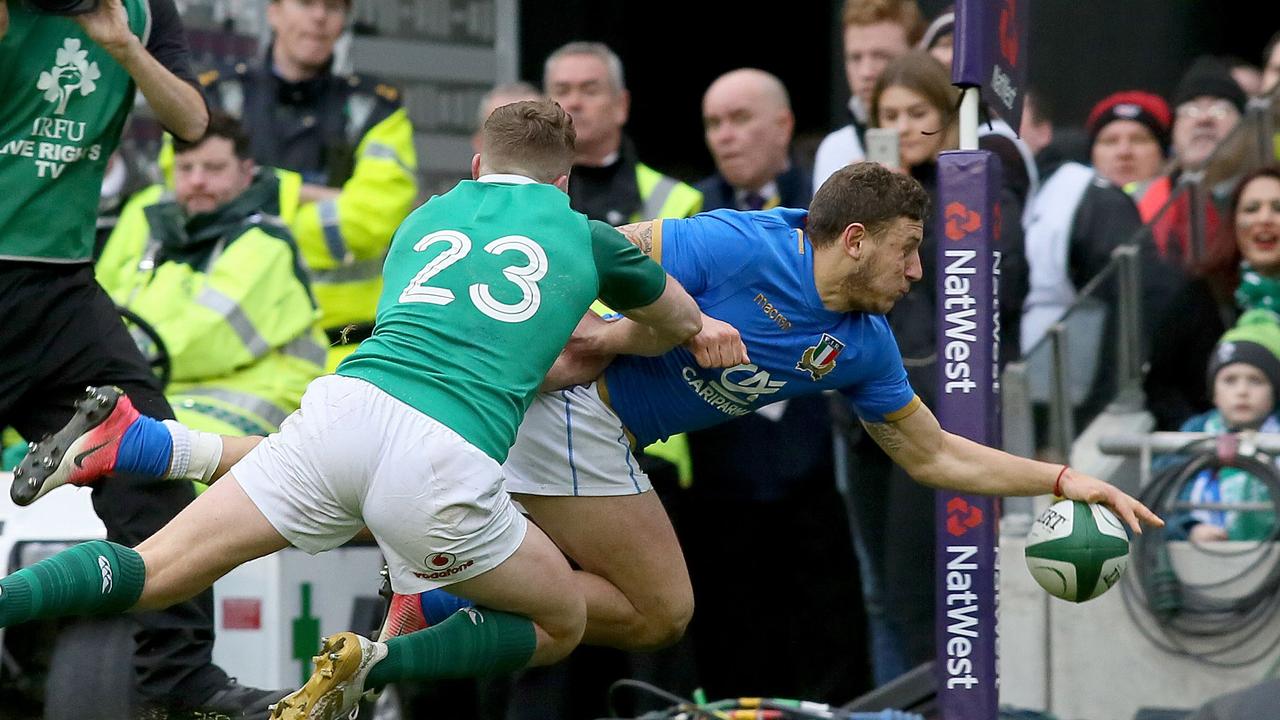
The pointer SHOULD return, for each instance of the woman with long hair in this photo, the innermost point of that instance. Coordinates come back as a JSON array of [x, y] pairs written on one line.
[[1240, 273]]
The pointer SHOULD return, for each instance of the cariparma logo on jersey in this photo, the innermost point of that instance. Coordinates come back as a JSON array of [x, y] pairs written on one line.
[[821, 358]]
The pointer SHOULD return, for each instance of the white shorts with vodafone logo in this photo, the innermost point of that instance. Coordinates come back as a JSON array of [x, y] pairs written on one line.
[[354, 456]]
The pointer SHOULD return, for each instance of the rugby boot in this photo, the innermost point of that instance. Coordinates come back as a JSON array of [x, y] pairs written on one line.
[[84, 450], [335, 687]]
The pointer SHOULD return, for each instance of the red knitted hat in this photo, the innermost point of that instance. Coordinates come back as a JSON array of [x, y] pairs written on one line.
[[1147, 108]]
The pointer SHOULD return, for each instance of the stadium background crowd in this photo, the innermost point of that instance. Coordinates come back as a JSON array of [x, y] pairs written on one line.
[[680, 121]]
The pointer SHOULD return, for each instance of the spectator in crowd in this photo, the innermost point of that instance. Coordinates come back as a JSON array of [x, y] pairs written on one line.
[[496, 98], [875, 32], [1074, 222], [1270, 65], [1128, 137], [1241, 273], [772, 490], [1207, 106], [746, 115], [610, 183], [893, 518], [349, 146], [1244, 377], [939, 37], [222, 284]]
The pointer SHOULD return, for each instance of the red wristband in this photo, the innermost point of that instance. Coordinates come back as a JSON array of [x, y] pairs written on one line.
[[1057, 484]]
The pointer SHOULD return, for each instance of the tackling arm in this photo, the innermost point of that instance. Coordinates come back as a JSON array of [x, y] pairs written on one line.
[[655, 328], [717, 344]]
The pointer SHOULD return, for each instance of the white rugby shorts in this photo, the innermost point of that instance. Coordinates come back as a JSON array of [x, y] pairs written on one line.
[[571, 443], [354, 456]]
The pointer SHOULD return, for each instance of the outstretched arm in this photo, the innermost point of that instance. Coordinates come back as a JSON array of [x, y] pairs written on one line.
[[941, 459]]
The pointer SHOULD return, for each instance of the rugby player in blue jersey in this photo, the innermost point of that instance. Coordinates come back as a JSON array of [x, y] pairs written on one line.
[[795, 302]]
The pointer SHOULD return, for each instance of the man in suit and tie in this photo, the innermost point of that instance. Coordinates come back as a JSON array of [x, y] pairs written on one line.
[[748, 122]]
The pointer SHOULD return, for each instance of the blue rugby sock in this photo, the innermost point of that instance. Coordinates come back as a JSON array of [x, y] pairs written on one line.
[[145, 448], [438, 605]]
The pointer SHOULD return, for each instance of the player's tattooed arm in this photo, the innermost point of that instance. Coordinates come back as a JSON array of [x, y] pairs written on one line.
[[913, 440], [640, 234], [889, 438]]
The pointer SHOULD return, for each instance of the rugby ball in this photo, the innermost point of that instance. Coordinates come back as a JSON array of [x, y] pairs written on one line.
[[1077, 551]]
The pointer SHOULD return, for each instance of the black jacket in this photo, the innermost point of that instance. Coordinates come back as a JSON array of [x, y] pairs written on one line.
[[1105, 218], [1185, 334], [609, 194], [311, 127], [795, 189]]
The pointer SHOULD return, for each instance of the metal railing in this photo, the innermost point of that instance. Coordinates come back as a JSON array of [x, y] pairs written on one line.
[[1092, 359]]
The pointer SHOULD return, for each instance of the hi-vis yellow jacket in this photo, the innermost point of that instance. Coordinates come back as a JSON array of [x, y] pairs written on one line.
[[229, 299], [350, 133]]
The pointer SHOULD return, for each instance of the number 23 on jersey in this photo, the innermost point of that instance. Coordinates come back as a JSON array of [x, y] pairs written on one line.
[[525, 277]]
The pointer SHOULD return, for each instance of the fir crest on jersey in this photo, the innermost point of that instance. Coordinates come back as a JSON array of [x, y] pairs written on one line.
[[820, 359]]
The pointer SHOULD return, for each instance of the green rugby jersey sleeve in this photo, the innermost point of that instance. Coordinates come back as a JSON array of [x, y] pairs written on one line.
[[628, 278]]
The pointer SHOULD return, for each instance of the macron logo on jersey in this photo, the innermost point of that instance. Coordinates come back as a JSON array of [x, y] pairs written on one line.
[[738, 388]]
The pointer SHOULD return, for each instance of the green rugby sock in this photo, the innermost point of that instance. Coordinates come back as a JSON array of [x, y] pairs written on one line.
[[97, 577], [475, 641]]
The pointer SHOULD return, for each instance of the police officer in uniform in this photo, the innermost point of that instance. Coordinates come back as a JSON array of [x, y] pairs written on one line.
[[349, 146]]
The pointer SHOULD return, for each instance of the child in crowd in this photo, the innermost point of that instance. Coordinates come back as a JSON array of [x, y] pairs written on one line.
[[1244, 378]]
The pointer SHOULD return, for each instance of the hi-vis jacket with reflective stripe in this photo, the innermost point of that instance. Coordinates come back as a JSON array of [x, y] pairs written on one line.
[[345, 132], [664, 196], [228, 296]]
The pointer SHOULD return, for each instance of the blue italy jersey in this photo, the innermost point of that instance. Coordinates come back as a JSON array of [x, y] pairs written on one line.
[[754, 270]]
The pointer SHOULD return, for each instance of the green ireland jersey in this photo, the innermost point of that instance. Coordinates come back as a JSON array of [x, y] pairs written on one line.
[[63, 102], [481, 289]]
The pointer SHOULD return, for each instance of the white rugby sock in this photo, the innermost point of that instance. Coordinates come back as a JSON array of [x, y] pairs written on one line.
[[196, 454]]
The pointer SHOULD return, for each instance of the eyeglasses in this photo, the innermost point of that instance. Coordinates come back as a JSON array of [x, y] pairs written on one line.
[[333, 7], [1217, 110]]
